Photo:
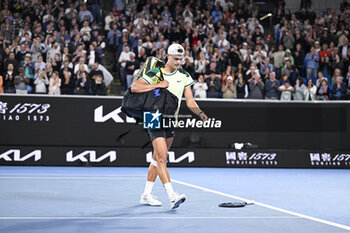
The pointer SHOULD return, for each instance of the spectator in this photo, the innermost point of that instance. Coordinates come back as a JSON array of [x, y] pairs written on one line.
[[40, 64], [256, 87], [85, 14], [311, 60], [226, 74], [271, 87], [286, 91], [114, 40], [299, 56], [241, 88], [229, 88], [339, 89], [200, 65], [265, 65], [310, 91], [67, 83], [319, 79], [299, 89], [21, 82], [277, 57], [40, 82], [214, 85], [130, 67], [1, 83], [337, 74], [55, 84], [323, 91], [124, 57], [200, 88], [83, 84], [188, 66], [287, 57], [99, 88], [10, 74]]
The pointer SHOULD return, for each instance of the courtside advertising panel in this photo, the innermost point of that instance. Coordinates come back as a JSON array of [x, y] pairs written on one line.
[[316, 133]]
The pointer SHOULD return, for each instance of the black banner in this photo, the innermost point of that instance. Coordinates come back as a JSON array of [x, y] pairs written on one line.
[[55, 123], [101, 156]]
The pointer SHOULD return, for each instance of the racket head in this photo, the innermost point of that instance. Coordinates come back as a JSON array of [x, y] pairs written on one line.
[[235, 204]]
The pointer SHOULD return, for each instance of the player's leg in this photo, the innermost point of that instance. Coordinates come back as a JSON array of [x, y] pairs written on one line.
[[146, 196], [161, 150]]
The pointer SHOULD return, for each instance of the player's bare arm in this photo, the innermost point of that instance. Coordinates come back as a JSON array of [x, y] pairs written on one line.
[[142, 86], [192, 105]]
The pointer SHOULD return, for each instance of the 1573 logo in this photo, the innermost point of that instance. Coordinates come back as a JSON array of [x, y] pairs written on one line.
[[26, 111]]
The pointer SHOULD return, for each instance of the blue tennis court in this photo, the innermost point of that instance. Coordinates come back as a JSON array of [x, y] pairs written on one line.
[[92, 199]]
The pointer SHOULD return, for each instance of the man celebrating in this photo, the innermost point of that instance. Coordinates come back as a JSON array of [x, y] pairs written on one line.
[[178, 82]]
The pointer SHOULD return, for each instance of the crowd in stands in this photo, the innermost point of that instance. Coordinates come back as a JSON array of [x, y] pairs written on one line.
[[60, 47]]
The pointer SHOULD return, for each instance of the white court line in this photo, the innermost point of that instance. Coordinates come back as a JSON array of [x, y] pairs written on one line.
[[150, 217], [74, 177], [266, 206]]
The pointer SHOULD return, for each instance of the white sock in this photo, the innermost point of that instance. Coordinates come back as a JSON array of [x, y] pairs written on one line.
[[169, 189], [148, 187]]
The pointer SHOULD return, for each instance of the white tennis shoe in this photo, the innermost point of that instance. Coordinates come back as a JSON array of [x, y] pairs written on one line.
[[177, 200], [149, 199]]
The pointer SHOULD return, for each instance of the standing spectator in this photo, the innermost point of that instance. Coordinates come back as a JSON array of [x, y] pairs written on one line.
[[188, 66], [21, 82], [67, 83], [83, 84], [310, 91], [55, 49], [131, 66], [114, 40], [299, 89], [28, 70], [99, 88], [286, 91], [277, 56], [124, 57], [40, 64], [271, 87], [323, 90], [339, 89], [229, 88], [311, 60], [55, 84], [226, 74], [9, 79], [214, 86], [37, 48], [288, 39], [85, 14], [200, 88], [241, 88], [85, 33], [343, 48], [256, 87], [299, 56], [200, 65], [265, 65], [40, 82], [319, 79]]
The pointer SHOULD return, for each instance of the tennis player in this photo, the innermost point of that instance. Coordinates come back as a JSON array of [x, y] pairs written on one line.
[[178, 82]]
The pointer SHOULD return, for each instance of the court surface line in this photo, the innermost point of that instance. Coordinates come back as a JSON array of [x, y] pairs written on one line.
[[73, 177], [265, 205], [151, 217]]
